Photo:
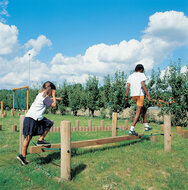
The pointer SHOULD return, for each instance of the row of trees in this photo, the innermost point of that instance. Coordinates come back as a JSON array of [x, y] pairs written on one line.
[[170, 92]]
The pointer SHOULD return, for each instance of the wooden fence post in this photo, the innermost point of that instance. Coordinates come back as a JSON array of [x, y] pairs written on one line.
[[90, 125], [21, 133], [126, 125], [14, 128], [114, 124], [102, 125], [66, 150], [77, 125], [167, 133], [2, 109]]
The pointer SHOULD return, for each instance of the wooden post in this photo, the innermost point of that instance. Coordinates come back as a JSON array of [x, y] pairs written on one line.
[[1, 108], [167, 133], [102, 125], [5, 114], [90, 125], [27, 106], [21, 133], [126, 125], [66, 150], [178, 129], [162, 127], [0, 127], [77, 125], [114, 124], [14, 128]]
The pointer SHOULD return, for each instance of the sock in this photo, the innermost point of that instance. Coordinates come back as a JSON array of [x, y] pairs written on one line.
[[146, 125], [132, 128]]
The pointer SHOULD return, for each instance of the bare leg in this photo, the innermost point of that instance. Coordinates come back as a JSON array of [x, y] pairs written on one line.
[[25, 145], [138, 110], [144, 114], [43, 135]]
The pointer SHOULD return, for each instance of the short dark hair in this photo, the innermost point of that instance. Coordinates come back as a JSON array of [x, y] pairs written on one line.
[[139, 67], [47, 84]]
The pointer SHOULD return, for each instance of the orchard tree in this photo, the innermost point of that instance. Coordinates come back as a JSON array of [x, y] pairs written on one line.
[[117, 93], [92, 94], [76, 98], [106, 91], [173, 89]]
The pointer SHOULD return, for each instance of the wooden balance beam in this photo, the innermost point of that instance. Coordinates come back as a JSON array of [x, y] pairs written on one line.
[[79, 144]]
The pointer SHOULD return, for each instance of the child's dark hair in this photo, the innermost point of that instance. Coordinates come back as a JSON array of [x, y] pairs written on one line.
[[139, 67], [49, 84], [47, 87]]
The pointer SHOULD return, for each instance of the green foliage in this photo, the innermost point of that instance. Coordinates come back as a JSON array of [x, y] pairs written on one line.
[[117, 93], [171, 93], [92, 94], [76, 98]]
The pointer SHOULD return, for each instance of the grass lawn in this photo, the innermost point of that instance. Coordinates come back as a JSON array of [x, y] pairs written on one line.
[[133, 165]]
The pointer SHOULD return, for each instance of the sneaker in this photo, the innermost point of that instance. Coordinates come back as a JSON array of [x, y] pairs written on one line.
[[43, 143], [22, 159], [148, 128], [133, 133]]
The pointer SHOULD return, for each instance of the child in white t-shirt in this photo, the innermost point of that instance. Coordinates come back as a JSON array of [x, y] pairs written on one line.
[[34, 122], [136, 85]]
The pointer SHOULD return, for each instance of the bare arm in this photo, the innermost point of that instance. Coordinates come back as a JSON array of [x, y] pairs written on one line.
[[127, 91], [54, 99], [145, 90]]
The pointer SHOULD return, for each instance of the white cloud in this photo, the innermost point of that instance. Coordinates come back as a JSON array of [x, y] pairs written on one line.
[[8, 39], [157, 43], [37, 45]]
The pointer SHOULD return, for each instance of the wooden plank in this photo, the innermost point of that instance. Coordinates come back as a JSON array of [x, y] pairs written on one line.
[[93, 142]]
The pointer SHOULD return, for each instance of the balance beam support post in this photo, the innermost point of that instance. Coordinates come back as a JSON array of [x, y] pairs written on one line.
[[77, 125], [102, 125], [90, 125], [66, 150], [21, 133], [126, 125], [167, 133], [114, 124]]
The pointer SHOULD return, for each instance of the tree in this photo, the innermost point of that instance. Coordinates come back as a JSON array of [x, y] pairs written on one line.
[[117, 93], [76, 95], [172, 90], [92, 94], [63, 92], [106, 91]]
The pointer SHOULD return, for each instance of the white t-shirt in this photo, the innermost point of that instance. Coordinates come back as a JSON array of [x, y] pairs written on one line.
[[135, 80], [38, 107]]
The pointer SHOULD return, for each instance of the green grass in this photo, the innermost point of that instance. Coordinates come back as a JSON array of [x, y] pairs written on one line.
[[133, 165]]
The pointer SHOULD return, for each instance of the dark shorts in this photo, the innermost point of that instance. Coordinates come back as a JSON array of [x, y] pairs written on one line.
[[34, 127]]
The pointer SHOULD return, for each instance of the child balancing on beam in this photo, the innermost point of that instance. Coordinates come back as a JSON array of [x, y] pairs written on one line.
[[34, 122], [135, 83]]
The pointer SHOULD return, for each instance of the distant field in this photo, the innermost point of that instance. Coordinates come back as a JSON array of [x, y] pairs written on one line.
[[132, 165]]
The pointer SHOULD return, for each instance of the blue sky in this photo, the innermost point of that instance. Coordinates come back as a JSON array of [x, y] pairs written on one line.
[[66, 35]]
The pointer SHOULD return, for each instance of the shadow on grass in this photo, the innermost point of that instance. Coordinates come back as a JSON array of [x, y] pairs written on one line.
[[76, 170], [80, 151], [77, 152]]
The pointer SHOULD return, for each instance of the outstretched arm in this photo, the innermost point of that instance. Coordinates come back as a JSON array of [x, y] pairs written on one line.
[[54, 99]]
